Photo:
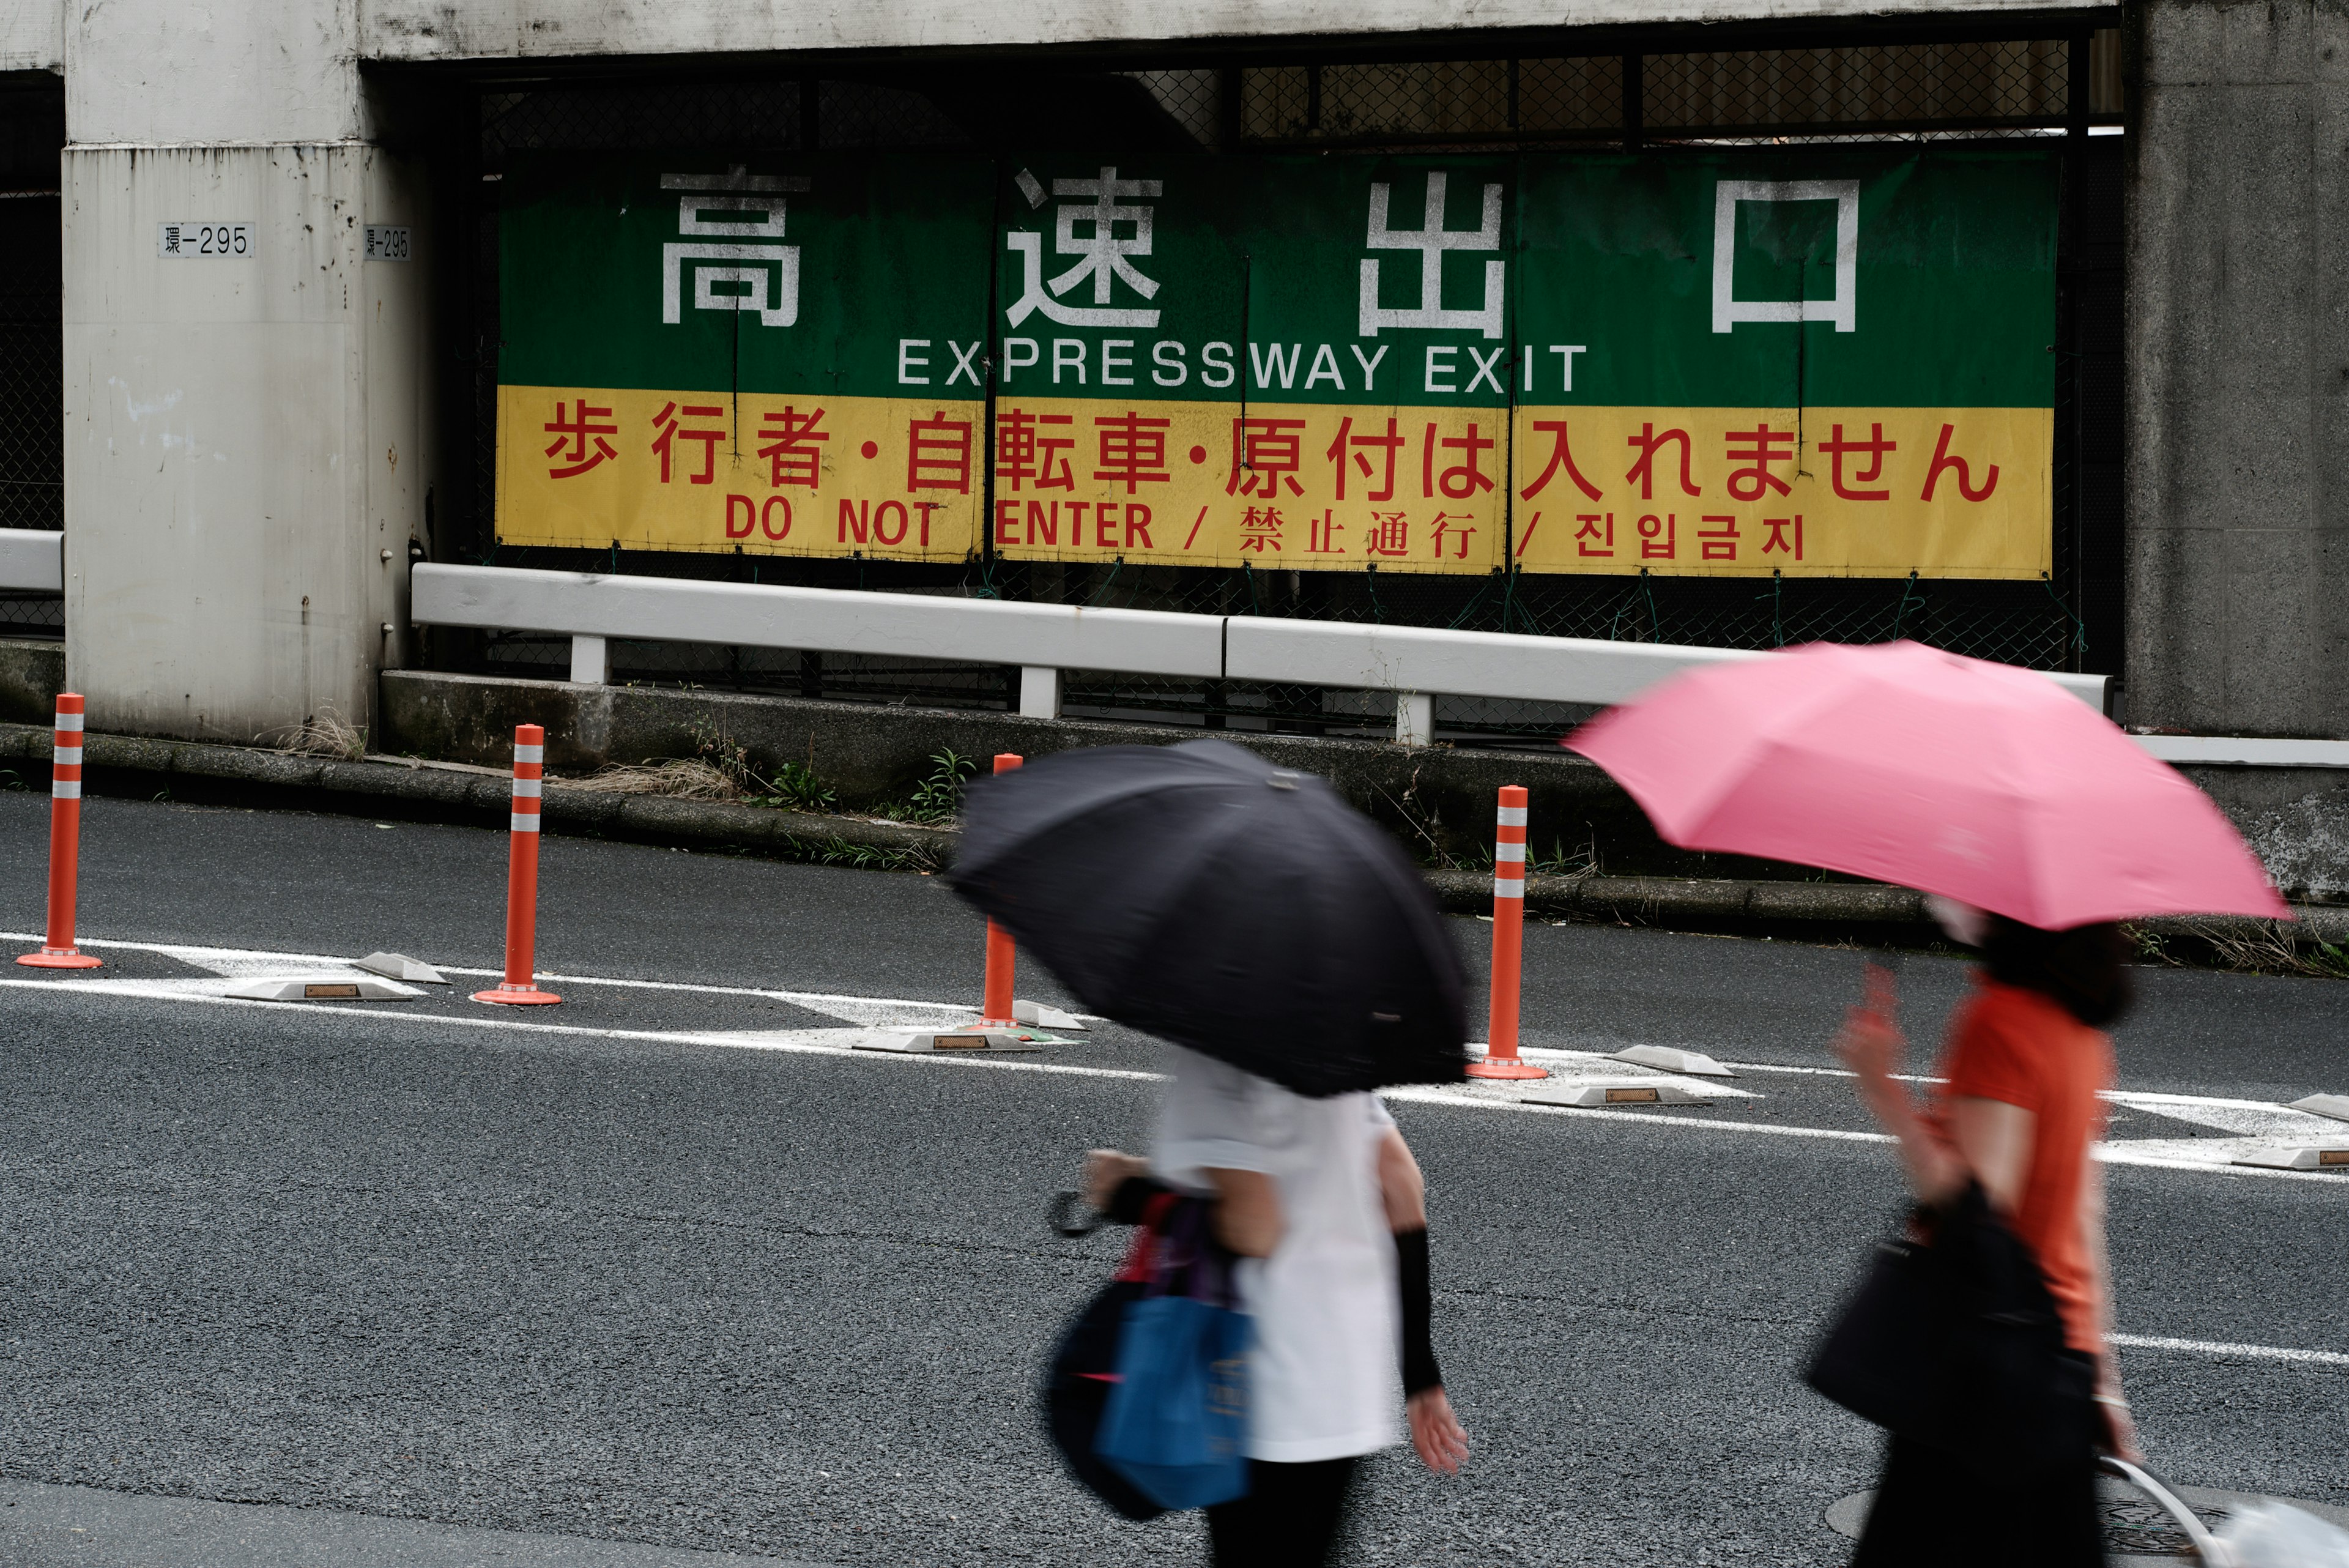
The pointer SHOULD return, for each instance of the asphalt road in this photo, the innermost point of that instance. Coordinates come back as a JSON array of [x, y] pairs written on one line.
[[583, 1277]]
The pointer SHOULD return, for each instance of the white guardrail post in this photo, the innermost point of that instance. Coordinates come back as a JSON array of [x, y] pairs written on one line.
[[1043, 641]]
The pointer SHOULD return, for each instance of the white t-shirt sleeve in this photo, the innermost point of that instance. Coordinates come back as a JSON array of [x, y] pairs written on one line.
[[1213, 1119]]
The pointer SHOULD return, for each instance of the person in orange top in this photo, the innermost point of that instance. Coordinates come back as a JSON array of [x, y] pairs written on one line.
[[2020, 1114]]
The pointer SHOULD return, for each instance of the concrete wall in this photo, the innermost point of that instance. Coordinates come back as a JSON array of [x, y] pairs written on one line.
[[32, 35], [247, 438], [2237, 366], [495, 30], [160, 72]]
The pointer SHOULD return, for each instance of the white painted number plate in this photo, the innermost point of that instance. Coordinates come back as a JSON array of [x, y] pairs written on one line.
[[386, 244], [190, 240]]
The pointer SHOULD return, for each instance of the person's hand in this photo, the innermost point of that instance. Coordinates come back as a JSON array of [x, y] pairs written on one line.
[[2119, 1428], [1870, 1043], [1436, 1432], [1105, 1171]]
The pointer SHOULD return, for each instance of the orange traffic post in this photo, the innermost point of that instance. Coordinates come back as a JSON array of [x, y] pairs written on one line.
[[57, 950], [520, 987], [995, 1009], [1501, 1059]]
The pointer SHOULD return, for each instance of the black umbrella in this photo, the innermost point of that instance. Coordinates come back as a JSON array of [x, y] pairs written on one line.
[[1200, 894]]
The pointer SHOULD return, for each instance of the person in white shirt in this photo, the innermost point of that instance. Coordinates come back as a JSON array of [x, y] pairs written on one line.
[[1325, 1204]]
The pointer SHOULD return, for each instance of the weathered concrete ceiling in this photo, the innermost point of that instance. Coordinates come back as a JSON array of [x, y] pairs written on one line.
[[552, 29]]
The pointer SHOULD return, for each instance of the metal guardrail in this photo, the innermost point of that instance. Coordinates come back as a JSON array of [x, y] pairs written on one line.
[[1415, 663], [32, 560]]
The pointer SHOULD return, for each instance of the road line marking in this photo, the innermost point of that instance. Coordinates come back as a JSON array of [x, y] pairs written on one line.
[[1436, 1094], [162, 991], [2214, 1347], [2111, 1153], [186, 951]]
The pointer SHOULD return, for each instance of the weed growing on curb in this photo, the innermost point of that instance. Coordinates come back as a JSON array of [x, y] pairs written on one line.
[[325, 734], [837, 851], [2264, 948], [795, 787], [940, 796]]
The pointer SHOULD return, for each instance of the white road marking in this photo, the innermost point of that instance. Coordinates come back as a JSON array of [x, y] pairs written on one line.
[[2207, 1156], [2214, 1347]]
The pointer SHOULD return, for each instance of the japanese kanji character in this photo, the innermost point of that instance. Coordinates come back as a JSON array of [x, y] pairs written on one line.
[[1469, 473], [1942, 460], [1446, 525], [1024, 451], [1758, 449], [575, 432], [1391, 442], [1261, 529], [793, 455], [1560, 456], [1322, 535], [1590, 530], [1133, 449], [1660, 536], [1390, 535], [1267, 451], [1876, 446], [1777, 539], [937, 454], [672, 431], [1644, 471], [1718, 544]]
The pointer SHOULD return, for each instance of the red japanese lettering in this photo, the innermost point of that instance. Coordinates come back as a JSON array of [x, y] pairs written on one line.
[[1267, 451], [1561, 456], [1758, 449], [1942, 460], [1875, 447], [1338, 451], [1133, 450], [1025, 454], [574, 431], [937, 454], [672, 431], [1644, 471], [794, 455]]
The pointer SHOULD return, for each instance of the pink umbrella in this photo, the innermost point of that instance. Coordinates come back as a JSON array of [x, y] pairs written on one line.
[[1976, 781]]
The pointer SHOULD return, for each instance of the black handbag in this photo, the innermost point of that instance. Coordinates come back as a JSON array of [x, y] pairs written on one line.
[[1954, 1342]]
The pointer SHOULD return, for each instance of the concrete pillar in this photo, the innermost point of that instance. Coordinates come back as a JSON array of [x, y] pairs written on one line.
[[248, 444], [2237, 366]]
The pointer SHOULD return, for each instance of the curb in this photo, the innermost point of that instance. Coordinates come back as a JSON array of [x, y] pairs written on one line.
[[455, 791], [444, 791]]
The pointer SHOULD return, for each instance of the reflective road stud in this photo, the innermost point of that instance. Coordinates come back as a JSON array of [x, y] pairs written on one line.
[[1501, 1059], [57, 950], [520, 987], [995, 1007]]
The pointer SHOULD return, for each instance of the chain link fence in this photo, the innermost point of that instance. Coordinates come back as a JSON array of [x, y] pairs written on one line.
[[1907, 90], [32, 343]]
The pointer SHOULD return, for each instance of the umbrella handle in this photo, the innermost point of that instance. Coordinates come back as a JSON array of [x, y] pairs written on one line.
[[1063, 1216]]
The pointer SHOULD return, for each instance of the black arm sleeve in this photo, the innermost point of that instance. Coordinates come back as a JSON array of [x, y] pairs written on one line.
[[1131, 1196], [1419, 1369]]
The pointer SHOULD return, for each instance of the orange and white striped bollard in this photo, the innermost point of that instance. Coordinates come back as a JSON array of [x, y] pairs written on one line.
[[57, 950], [520, 987], [1003, 953], [1501, 1059]]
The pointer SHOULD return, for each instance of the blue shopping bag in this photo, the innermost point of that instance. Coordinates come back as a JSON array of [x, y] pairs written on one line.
[[1176, 1421]]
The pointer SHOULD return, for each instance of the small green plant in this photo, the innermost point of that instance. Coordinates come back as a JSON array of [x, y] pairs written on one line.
[[837, 851], [940, 796], [795, 787]]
